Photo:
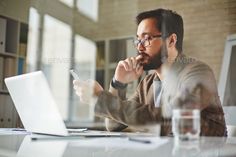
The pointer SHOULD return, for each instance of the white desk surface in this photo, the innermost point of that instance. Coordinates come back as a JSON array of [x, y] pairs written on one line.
[[23, 146]]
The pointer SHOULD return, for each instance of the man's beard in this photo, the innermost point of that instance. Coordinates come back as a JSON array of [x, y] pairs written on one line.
[[156, 61]]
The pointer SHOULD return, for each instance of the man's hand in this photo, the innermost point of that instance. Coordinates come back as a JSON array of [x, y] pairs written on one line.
[[87, 91], [129, 69]]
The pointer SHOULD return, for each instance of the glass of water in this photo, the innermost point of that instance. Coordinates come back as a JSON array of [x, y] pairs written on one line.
[[186, 124]]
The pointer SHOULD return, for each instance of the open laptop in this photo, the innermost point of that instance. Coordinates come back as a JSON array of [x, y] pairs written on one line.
[[36, 107]]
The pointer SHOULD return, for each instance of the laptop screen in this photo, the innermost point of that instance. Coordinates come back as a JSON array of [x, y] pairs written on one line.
[[35, 103]]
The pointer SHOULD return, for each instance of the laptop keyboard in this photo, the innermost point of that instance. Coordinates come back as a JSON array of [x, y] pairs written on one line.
[[74, 131]]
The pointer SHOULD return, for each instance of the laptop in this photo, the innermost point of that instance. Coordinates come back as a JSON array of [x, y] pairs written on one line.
[[37, 108]]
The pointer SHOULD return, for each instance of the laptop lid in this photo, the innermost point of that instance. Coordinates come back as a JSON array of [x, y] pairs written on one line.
[[35, 104]]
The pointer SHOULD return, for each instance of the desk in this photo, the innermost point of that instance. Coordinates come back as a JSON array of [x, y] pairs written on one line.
[[23, 146]]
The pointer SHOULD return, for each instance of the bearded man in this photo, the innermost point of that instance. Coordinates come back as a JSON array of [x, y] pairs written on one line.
[[182, 82]]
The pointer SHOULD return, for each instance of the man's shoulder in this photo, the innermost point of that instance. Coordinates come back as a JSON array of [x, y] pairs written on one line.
[[187, 62], [189, 68]]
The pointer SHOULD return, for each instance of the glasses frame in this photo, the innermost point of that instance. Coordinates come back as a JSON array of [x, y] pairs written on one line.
[[146, 41]]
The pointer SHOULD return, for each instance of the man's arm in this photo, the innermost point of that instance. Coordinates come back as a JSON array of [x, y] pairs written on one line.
[[126, 112], [126, 71], [112, 125], [139, 109]]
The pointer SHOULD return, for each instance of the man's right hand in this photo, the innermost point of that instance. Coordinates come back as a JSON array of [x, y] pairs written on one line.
[[129, 69], [87, 90]]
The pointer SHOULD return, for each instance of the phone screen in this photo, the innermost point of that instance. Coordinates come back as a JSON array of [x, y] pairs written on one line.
[[74, 73]]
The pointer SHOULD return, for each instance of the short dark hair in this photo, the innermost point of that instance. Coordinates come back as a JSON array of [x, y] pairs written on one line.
[[168, 22]]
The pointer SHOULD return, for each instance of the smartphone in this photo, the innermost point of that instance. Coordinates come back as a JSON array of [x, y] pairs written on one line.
[[74, 73]]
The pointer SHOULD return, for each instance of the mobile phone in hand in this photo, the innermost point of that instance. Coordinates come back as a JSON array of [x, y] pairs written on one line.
[[74, 73]]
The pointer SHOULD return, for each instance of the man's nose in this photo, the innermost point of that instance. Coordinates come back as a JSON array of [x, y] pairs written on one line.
[[140, 47]]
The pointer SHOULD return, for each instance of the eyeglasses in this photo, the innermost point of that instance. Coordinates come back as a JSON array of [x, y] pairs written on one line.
[[145, 42]]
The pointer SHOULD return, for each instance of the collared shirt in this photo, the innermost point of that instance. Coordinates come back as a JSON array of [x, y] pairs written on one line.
[[157, 91]]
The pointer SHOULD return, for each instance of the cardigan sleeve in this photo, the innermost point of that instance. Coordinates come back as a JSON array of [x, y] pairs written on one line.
[[137, 110]]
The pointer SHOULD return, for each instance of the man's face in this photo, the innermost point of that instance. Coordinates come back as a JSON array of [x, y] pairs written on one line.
[[152, 54]]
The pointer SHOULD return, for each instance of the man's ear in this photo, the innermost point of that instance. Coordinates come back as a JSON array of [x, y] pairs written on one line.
[[172, 40]]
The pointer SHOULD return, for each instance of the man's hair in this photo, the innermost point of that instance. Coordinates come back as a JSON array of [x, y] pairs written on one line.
[[168, 22]]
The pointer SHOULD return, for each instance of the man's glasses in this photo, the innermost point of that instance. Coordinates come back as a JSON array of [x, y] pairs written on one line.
[[145, 42]]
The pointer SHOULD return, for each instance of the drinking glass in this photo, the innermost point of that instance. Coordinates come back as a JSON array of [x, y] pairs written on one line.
[[186, 124]]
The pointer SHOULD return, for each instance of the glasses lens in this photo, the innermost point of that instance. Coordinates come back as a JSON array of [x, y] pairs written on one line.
[[136, 42], [145, 42]]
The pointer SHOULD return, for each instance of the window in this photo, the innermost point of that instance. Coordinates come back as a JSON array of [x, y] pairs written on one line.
[[227, 84], [68, 2], [56, 52], [85, 64], [88, 8]]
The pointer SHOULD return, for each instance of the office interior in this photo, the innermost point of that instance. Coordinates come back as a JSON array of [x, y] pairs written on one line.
[[93, 35]]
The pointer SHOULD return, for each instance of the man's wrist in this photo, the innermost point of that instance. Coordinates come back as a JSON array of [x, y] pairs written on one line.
[[117, 84]]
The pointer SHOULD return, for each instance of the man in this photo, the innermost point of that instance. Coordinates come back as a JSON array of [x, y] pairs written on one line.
[[182, 82]]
